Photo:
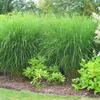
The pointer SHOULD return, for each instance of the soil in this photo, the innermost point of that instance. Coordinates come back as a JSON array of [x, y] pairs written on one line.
[[22, 84]]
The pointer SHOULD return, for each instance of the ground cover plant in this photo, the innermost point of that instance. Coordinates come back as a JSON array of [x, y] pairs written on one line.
[[64, 41], [89, 75], [38, 72]]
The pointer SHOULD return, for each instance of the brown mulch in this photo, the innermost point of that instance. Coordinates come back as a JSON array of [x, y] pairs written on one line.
[[22, 84]]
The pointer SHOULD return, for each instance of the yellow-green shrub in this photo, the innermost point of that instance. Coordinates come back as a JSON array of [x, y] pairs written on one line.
[[89, 76], [38, 72]]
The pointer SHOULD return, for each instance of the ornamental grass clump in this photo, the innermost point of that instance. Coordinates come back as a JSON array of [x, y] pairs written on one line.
[[20, 39], [68, 40], [64, 41]]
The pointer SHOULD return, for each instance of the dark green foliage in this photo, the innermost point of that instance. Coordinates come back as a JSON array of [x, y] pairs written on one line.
[[88, 7], [23, 5], [63, 7], [5, 6], [60, 7]]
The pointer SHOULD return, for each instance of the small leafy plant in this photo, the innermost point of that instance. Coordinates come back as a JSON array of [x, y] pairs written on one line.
[[89, 76], [38, 72], [56, 78]]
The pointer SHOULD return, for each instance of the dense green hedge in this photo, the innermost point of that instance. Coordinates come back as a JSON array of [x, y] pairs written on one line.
[[63, 41]]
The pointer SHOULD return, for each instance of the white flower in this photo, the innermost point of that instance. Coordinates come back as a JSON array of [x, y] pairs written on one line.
[[97, 31], [96, 16], [98, 54]]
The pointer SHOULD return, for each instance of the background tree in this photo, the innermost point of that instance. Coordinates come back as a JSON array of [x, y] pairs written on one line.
[[5, 6], [60, 7], [71, 6], [64, 6], [88, 7], [23, 5]]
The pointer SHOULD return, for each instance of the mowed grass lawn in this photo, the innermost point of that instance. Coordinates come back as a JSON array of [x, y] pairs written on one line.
[[6, 94]]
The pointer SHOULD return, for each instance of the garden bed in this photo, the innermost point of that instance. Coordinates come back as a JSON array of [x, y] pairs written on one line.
[[22, 84]]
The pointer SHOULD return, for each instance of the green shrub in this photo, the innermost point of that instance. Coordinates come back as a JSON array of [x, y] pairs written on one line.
[[38, 72], [89, 76]]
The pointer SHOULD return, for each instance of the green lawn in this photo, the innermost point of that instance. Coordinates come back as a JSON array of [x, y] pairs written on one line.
[[6, 94]]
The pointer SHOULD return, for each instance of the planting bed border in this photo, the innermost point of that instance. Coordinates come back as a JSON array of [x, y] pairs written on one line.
[[22, 84]]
